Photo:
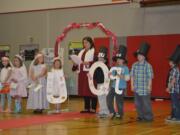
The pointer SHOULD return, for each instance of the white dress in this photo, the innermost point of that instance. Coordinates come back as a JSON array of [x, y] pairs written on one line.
[[19, 74], [37, 99]]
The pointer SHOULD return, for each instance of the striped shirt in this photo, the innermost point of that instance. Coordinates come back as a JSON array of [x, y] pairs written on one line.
[[174, 73], [141, 73]]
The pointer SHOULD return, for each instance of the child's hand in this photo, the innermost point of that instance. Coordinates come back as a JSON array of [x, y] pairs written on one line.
[[109, 74], [89, 76], [132, 88], [167, 90], [121, 76], [14, 80], [34, 78], [150, 88], [86, 63], [65, 77], [74, 63]]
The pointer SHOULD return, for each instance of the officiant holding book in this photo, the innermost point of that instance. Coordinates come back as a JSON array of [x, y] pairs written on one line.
[[87, 57]]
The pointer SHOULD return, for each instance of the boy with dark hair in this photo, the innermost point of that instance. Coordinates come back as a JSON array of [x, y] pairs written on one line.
[[173, 86], [141, 84]]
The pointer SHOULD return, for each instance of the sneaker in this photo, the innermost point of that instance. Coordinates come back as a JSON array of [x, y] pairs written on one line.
[[139, 119], [112, 115], [85, 111], [173, 120], [8, 110], [92, 111], [169, 118], [103, 115], [118, 116]]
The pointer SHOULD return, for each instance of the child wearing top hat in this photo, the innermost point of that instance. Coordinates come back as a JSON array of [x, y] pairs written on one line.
[[173, 86], [120, 63], [141, 84], [99, 79]]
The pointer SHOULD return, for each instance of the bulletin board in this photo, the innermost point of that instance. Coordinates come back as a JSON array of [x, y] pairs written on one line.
[[27, 51]]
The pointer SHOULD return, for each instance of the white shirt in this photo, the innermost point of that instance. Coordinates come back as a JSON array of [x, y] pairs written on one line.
[[4, 73]]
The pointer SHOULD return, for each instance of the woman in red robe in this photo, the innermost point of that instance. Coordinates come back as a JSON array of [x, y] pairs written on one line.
[[87, 57]]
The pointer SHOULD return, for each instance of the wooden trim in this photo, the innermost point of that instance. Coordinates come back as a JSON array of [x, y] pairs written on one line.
[[150, 3]]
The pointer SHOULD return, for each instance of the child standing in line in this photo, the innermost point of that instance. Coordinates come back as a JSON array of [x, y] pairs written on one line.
[[173, 86], [141, 84], [99, 79], [18, 82], [57, 70], [37, 99], [4, 79], [118, 93]]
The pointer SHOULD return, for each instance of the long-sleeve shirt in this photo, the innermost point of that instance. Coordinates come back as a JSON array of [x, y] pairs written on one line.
[[174, 73]]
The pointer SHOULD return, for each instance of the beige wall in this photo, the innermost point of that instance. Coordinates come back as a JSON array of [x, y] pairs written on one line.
[[25, 5], [123, 20]]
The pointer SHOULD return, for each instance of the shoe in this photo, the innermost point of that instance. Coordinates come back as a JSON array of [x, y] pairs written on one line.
[[148, 120], [8, 110], [118, 116], [85, 111], [35, 111], [112, 115], [39, 111], [103, 115], [92, 111], [140, 119], [173, 120], [169, 118]]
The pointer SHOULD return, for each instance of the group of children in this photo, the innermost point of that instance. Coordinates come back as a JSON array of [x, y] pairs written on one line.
[[141, 84], [15, 80], [141, 78]]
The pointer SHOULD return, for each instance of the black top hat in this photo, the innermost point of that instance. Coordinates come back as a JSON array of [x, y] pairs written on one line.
[[175, 57], [102, 52], [121, 53], [143, 50]]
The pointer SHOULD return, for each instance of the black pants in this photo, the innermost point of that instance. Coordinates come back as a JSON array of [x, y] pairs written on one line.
[[90, 103], [119, 101]]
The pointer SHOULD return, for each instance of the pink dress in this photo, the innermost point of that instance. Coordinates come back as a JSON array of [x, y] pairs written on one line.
[[20, 74]]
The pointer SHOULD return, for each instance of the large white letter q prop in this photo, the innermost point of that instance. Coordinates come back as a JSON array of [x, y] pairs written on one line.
[[105, 87]]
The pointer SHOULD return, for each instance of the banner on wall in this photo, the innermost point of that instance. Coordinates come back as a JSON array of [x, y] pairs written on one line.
[[4, 50], [28, 51], [75, 48]]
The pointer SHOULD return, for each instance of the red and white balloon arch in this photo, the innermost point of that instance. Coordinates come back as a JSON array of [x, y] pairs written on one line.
[[71, 26]]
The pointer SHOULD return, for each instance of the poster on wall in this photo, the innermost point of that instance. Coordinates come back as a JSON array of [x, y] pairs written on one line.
[[4, 50], [75, 48], [28, 51]]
